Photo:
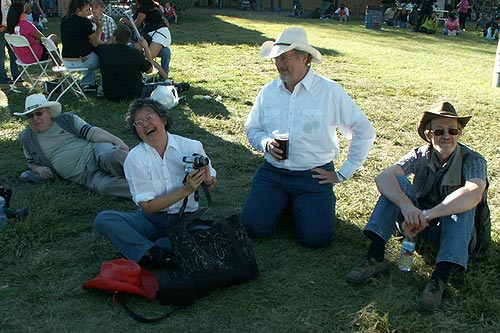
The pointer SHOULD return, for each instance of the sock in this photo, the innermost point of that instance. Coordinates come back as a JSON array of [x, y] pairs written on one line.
[[377, 247], [443, 270]]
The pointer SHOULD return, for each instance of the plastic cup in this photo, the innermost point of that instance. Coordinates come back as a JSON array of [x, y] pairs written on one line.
[[282, 140]]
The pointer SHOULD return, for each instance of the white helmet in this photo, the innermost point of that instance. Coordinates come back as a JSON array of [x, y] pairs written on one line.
[[166, 95]]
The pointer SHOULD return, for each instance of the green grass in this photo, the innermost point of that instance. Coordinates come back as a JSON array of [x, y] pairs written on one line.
[[393, 75]]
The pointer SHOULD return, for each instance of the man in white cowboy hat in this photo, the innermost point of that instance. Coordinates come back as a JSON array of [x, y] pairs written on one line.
[[449, 182], [63, 144], [309, 108]]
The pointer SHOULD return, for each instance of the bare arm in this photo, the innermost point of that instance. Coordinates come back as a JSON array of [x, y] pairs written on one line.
[[460, 200], [101, 135]]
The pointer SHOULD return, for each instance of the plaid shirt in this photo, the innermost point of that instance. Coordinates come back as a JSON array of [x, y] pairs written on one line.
[[108, 27]]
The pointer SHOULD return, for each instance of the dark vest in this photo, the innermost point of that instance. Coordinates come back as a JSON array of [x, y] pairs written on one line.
[[431, 186]]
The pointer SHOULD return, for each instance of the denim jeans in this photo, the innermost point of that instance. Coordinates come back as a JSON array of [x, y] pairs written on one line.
[[14, 71], [165, 55], [313, 204], [92, 64], [135, 233], [452, 233]]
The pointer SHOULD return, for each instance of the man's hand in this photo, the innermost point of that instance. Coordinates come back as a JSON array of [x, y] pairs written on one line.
[[272, 148], [325, 176], [414, 221], [43, 171]]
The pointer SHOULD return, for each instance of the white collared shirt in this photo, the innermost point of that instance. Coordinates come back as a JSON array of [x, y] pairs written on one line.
[[311, 115], [150, 176]]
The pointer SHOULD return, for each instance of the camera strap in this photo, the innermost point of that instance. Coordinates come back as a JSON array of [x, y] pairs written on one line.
[[200, 211]]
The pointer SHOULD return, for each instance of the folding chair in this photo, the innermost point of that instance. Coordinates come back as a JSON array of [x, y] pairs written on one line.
[[67, 80], [21, 41]]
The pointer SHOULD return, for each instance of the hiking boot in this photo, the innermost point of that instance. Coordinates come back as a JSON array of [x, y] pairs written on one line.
[[431, 296], [368, 269]]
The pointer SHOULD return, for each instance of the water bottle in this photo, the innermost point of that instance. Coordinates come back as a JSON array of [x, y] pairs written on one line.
[[3, 217], [406, 259]]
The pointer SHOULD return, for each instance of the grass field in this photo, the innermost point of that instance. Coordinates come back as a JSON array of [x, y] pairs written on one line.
[[393, 75]]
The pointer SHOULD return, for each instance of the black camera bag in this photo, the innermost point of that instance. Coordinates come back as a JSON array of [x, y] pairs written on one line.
[[177, 288], [216, 254]]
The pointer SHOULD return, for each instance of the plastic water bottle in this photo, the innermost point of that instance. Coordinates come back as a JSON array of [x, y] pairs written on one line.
[[406, 259], [3, 217]]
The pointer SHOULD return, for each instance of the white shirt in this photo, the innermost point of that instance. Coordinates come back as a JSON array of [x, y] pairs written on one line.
[[150, 176], [311, 116], [346, 11]]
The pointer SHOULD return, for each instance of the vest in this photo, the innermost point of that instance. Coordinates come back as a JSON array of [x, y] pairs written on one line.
[[433, 186]]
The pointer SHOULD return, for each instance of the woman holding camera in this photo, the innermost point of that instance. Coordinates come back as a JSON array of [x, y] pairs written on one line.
[[159, 183]]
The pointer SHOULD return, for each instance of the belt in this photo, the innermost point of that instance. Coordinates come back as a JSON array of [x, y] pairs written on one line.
[[82, 59]]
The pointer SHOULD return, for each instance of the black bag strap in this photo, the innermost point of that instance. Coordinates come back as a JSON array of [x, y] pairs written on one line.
[[138, 317], [188, 219]]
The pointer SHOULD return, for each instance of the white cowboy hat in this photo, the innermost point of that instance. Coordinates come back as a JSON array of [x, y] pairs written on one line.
[[292, 38], [38, 101]]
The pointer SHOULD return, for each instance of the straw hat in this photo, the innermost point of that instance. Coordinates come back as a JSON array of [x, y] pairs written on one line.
[[38, 101]]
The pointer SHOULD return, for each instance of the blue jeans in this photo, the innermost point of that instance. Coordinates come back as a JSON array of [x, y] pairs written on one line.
[[14, 71], [313, 204], [135, 233], [452, 233], [92, 64], [165, 55]]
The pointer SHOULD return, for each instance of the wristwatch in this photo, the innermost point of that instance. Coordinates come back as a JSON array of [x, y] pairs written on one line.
[[425, 213]]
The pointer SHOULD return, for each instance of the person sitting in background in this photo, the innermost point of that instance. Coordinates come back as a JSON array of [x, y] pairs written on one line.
[[31, 16], [159, 182], [78, 41], [170, 13], [430, 24], [343, 13], [452, 27], [390, 14], [17, 24], [483, 22], [150, 20], [402, 17], [449, 181], [107, 22], [122, 67], [492, 31], [63, 144]]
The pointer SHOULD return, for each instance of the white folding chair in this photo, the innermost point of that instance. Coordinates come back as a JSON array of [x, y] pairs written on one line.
[[20, 41], [67, 80]]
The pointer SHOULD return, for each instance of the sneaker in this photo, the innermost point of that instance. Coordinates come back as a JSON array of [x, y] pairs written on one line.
[[90, 88], [29, 176], [368, 269], [431, 296]]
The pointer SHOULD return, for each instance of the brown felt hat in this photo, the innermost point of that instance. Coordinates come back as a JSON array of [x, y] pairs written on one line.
[[441, 109]]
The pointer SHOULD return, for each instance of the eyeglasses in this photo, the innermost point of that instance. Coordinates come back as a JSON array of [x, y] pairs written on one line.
[[147, 119], [283, 59], [451, 131], [36, 113]]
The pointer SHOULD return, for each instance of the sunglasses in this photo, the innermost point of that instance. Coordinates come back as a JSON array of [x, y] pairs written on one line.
[[451, 131], [36, 113]]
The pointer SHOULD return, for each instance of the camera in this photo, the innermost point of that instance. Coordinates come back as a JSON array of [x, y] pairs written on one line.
[[195, 162]]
